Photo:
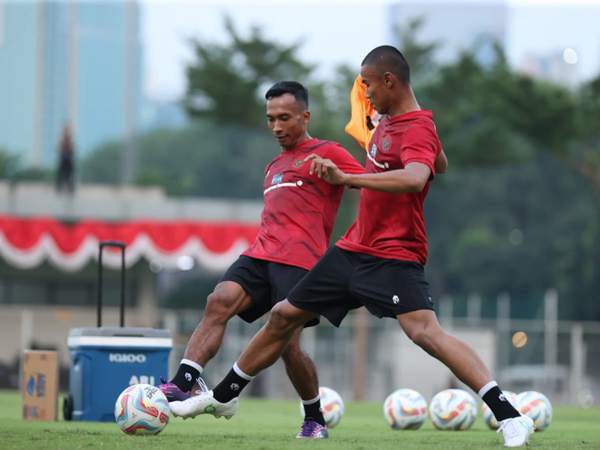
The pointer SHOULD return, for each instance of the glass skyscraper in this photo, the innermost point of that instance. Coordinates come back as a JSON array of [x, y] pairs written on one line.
[[69, 62], [454, 27]]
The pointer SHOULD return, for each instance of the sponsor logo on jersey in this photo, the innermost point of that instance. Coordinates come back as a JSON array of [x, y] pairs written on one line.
[[373, 150], [277, 178], [298, 162], [396, 299]]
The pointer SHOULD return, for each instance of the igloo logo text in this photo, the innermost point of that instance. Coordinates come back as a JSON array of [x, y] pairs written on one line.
[[127, 358]]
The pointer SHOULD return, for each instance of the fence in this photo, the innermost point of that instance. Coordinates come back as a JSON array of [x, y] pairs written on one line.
[[561, 359], [366, 358]]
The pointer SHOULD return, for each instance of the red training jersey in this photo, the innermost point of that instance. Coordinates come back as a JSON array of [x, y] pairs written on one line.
[[300, 209], [391, 225]]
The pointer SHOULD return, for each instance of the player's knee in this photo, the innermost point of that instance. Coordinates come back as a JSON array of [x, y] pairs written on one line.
[[219, 307], [424, 340], [281, 319]]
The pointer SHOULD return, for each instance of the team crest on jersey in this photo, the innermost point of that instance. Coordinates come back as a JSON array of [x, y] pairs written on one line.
[[373, 150], [298, 162], [387, 143], [277, 178]]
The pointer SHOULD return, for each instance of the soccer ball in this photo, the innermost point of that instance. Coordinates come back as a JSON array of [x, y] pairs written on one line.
[[488, 415], [142, 409], [536, 406], [332, 406], [453, 409], [405, 409]]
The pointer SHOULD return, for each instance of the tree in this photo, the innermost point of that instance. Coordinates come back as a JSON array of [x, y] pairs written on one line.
[[11, 168], [101, 166], [475, 113], [418, 54], [9, 164], [191, 162], [226, 82], [580, 147]]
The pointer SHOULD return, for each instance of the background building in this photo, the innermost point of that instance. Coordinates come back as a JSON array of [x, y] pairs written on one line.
[[551, 67], [455, 27], [558, 44], [75, 62]]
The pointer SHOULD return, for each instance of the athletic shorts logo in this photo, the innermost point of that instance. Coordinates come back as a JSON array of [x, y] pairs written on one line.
[[396, 299], [277, 178]]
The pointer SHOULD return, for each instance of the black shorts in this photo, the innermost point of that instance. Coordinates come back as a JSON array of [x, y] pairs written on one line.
[[344, 280], [266, 282]]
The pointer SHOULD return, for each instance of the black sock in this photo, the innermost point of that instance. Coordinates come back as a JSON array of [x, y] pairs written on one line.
[[314, 412], [185, 377], [230, 387], [499, 405]]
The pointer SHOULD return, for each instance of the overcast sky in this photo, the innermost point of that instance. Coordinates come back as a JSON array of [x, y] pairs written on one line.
[[336, 31]]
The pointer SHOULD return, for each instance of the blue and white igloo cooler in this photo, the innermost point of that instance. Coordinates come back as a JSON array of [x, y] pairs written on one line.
[[106, 360]]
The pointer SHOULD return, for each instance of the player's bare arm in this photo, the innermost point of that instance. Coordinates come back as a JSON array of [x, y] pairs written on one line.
[[441, 163], [412, 178]]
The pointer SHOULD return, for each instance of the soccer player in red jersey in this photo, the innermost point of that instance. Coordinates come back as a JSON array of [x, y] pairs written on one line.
[[379, 263], [296, 225]]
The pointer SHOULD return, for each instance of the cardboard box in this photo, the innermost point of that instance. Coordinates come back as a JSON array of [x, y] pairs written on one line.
[[39, 385]]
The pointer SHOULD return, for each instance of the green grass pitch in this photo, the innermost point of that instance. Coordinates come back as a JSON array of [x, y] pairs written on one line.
[[273, 424]]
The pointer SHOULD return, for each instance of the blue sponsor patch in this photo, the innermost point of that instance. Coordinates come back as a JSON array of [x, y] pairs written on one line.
[[277, 178]]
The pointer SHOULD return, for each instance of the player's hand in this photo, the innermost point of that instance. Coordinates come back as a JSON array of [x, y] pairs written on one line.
[[326, 169]]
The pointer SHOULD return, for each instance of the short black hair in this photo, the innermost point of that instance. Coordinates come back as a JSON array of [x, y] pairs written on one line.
[[388, 59], [299, 92]]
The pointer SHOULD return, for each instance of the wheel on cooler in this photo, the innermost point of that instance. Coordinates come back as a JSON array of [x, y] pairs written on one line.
[[68, 407]]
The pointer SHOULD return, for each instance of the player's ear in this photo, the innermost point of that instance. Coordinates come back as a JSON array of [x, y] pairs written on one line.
[[306, 116], [388, 79]]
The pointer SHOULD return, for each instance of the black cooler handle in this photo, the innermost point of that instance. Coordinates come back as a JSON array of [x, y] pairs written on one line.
[[121, 245]]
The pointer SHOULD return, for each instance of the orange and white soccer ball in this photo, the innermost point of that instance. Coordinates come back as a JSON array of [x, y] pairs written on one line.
[[405, 409], [142, 409], [453, 409], [536, 406]]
